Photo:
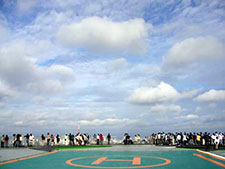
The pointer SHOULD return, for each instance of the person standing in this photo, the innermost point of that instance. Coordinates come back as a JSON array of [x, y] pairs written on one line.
[[57, 139], [2, 141], [48, 139], [14, 140], [109, 138], [101, 139], [85, 139], [207, 141], [97, 138], [17, 140], [7, 141], [42, 140], [139, 139], [52, 140], [221, 138], [135, 139], [72, 139], [20, 140], [27, 139], [31, 139], [198, 138], [216, 143]]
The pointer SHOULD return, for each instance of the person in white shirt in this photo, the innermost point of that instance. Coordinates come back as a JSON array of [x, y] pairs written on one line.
[[221, 138], [178, 139], [31, 140], [216, 142], [185, 139]]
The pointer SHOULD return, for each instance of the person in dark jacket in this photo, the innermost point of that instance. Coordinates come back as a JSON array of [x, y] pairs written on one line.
[[7, 141], [2, 141], [109, 138], [207, 141]]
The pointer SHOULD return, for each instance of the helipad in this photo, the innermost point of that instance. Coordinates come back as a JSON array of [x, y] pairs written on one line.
[[168, 159]]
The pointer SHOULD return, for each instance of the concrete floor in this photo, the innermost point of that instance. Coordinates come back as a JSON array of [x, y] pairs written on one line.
[[14, 153]]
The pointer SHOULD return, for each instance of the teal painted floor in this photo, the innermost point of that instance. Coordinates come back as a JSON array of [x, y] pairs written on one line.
[[179, 160]]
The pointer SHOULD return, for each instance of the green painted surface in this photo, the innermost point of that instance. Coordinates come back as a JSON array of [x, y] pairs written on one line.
[[179, 160], [81, 147]]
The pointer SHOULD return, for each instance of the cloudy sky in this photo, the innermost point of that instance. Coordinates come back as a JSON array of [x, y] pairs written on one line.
[[137, 66]]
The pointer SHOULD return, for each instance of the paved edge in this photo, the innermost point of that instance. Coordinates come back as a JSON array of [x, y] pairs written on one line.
[[28, 157], [212, 155]]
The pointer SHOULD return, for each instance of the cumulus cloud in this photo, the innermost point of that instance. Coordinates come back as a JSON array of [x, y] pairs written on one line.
[[62, 72], [192, 116], [188, 117], [112, 122], [211, 96], [160, 108], [192, 50], [26, 6], [103, 35], [117, 64], [6, 91], [189, 94], [3, 32], [21, 72], [38, 99], [163, 92]]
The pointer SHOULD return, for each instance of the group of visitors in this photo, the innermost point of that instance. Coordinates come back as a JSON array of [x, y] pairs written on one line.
[[50, 140], [181, 139], [4, 141], [99, 138], [17, 140], [78, 139], [193, 139], [68, 139]]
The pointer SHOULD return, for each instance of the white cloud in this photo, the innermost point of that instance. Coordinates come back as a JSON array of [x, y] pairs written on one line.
[[5, 114], [198, 109], [26, 6], [103, 35], [192, 50], [188, 117], [61, 72], [192, 116], [159, 108], [19, 123], [3, 33], [211, 96], [19, 69], [117, 64], [163, 92], [189, 94], [212, 105], [38, 99], [106, 122], [6, 91], [4, 30]]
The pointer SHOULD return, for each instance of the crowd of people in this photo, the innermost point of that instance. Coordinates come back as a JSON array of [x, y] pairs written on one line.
[[99, 138], [180, 139], [196, 139], [18, 140]]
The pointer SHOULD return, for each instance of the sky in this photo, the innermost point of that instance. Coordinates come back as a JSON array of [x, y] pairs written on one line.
[[136, 66]]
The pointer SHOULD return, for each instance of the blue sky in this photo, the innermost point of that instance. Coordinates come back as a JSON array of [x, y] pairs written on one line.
[[137, 66]]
